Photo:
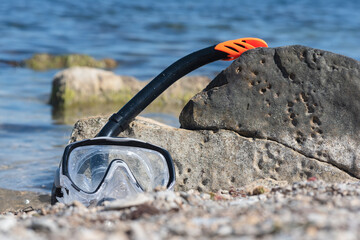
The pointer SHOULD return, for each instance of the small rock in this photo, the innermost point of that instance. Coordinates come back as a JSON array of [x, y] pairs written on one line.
[[205, 196], [44, 61], [7, 223], [43, 225], [118, 204], [224, 230], [78, 204], [259, 190]]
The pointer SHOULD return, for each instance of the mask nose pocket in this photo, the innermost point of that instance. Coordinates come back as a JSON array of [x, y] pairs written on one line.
[[120, 182]]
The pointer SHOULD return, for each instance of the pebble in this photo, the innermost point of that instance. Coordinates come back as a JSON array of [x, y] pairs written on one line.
[[7, 223], [126, 203], [303, 210], [43, 225]]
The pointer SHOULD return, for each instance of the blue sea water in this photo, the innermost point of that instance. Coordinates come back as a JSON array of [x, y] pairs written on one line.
[[144, 37]]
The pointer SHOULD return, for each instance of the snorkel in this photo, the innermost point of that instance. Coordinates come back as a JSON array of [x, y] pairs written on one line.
[[108, 167], [229, 50]]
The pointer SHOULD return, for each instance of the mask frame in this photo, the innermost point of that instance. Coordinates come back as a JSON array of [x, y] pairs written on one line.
[[99, 141]]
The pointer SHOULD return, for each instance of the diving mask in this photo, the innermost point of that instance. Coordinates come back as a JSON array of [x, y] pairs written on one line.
[[106, 168]]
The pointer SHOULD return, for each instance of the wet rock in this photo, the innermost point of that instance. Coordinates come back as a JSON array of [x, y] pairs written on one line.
[[82, 91], [296, 98], [89, 85], [211, 160], [44, 61]]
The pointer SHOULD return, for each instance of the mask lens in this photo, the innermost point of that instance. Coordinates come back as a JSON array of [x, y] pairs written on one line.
[[88, 165]]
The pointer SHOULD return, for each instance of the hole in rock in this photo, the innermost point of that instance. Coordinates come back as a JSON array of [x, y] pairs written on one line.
[[304, 97], [260, 164], [303, 163], [205, 181], [308, 174], [292, 76], [316, 120], [238, 70], [294, 122], [310, 109]]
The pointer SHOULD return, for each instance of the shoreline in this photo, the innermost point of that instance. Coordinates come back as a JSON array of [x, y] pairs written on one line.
[[12, 200]]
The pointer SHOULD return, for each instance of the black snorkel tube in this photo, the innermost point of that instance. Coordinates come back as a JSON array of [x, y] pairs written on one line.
[[119, 121], [228, 50]]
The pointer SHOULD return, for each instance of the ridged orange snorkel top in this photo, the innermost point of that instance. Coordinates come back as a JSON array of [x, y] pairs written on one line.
[[238, 46]]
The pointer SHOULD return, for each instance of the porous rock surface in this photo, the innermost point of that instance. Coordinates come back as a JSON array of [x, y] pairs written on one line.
[[209, 160], [306, 100]]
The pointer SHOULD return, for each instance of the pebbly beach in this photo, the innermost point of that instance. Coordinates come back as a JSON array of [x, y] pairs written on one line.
[[311, 209], [265, 146]]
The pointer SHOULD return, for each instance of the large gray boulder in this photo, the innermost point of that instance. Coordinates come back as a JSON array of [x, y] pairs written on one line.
[[304, 101], [209, 160]]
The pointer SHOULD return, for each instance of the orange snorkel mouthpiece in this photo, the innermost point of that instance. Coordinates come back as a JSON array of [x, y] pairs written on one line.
[[234, 48]]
